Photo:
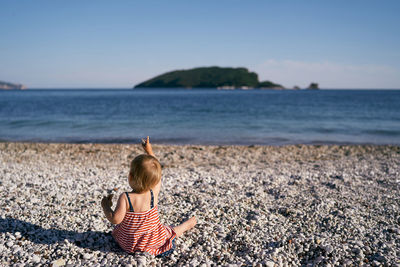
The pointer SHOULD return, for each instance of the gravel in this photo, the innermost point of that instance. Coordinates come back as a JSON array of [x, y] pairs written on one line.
[[256, 206]]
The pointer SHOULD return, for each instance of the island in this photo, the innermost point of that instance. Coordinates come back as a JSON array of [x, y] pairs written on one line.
[[11, 86], [209, 77], [270, 85], [313, 86]]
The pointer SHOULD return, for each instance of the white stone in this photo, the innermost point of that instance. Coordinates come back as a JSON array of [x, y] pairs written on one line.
[[35, 258], [57, 263], [16, 250], [87, 256]]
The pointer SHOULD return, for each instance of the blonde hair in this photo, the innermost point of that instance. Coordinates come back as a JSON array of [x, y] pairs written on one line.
[[145, 173]]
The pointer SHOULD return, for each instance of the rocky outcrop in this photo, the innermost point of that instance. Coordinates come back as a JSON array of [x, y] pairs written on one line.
[[11, 86], [313, 86]]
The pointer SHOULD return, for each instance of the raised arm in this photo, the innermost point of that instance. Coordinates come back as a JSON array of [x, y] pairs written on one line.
[[149, 151], [147, 147]]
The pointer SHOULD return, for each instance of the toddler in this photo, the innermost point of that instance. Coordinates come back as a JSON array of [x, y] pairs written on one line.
[[138, 226]]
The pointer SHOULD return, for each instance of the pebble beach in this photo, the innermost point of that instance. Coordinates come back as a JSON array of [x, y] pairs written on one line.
[[296, 205]]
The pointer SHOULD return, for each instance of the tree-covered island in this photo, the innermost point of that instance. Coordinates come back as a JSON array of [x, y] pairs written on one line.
[[209, 77]]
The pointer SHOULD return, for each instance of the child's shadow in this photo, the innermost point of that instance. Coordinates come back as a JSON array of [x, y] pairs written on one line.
[[93, 240]]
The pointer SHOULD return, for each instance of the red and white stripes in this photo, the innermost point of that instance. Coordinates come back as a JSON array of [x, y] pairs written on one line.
[[143, 231]]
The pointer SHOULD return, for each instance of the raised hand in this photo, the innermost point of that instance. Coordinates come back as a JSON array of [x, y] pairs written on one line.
[[147, 146]]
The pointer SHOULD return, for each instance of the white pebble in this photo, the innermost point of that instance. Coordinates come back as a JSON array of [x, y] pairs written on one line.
[[57, 263], [87, 256], [35, 258]]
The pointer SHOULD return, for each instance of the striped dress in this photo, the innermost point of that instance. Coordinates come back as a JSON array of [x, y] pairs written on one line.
[[143, 231]]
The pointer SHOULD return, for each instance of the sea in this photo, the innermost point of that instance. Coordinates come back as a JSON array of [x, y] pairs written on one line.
[[201, 116]]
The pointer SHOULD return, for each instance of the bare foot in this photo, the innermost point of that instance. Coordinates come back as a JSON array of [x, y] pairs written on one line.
[[192, 222], [185, 226]]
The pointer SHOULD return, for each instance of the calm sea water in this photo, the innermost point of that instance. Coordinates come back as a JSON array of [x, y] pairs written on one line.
[[202, 116]]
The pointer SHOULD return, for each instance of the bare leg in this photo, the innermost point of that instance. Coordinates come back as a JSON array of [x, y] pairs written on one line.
[[185, 226]]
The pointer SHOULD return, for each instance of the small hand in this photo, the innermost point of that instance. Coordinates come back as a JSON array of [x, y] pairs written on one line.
[[107, 201], [147, 146]]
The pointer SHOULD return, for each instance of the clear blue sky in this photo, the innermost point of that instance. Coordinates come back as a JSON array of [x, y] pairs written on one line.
[[73, 44]]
